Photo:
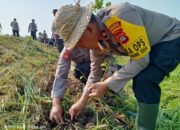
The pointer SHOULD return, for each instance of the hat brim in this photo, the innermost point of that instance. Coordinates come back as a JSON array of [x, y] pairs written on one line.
[[80, 27]]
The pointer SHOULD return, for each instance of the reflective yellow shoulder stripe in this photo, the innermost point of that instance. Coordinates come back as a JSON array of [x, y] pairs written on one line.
[[132, 37]]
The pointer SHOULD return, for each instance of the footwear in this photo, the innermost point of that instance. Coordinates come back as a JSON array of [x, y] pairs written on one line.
[[147, 116]]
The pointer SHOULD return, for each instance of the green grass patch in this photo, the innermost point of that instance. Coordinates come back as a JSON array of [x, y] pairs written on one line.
[[27, 71]]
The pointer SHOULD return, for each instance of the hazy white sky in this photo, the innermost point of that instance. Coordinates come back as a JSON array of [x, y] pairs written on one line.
[[41, 11]]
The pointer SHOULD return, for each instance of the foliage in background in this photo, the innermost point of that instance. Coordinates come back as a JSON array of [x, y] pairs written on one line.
[[98, 4], [26, 71], [108, 4]]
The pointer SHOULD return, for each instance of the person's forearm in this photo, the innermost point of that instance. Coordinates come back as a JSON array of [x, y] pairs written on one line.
[[56, 101], [120, 78], [85, 96]]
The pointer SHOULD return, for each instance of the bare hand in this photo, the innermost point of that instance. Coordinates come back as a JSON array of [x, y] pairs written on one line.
[[56, 111], [56, 114], [98, 89], [75, 110]]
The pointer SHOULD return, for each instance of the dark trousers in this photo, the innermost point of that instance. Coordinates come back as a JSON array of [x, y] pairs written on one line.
[[15, 33], [82, 71], [33, 34], [60, 44], [164, 58]]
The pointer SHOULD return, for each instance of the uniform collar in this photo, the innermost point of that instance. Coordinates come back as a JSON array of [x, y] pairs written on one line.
[[107, 41]]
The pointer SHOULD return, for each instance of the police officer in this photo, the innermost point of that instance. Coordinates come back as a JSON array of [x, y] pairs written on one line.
[[150, 39], [81, 59]]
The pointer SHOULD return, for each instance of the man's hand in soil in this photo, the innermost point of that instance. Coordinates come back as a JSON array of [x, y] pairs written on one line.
[[56, 111], [76, 109], [92, 90], [97, 89]]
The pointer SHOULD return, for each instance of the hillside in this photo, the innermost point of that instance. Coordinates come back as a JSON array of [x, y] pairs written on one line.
[[27, 71], [26, 74]]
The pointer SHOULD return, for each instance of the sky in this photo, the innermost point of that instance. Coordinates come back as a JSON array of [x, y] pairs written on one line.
[[41, 10]]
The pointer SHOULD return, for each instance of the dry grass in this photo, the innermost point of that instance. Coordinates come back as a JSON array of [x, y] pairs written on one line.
[[26, 75]]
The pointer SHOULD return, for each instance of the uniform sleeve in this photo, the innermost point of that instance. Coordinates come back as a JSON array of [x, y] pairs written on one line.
[[61, 76], [120, 78], [131, 15], [96, 72]]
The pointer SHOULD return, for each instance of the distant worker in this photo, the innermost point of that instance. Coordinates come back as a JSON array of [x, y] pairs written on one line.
[[58, 41], [33, 29], [40, 37], [15, 27], [45, 37]]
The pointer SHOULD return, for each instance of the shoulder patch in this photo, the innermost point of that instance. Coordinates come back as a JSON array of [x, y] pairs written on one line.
[[67, 54]]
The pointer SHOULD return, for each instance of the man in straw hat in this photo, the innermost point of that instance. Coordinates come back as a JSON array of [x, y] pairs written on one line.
[[0, 27], [150, 39], [81, 59]]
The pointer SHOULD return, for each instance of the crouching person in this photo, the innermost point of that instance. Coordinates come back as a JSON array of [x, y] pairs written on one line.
[[82, 69], [150, 39], [81, 58]]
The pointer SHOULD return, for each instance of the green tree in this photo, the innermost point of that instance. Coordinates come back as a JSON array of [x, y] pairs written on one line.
[[108, 4], [98, 4]]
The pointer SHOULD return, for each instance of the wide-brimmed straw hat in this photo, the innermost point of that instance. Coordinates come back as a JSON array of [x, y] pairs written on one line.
[[70, 22]]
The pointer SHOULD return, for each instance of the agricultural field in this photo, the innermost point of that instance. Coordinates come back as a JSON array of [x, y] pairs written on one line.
[[27, 71]]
